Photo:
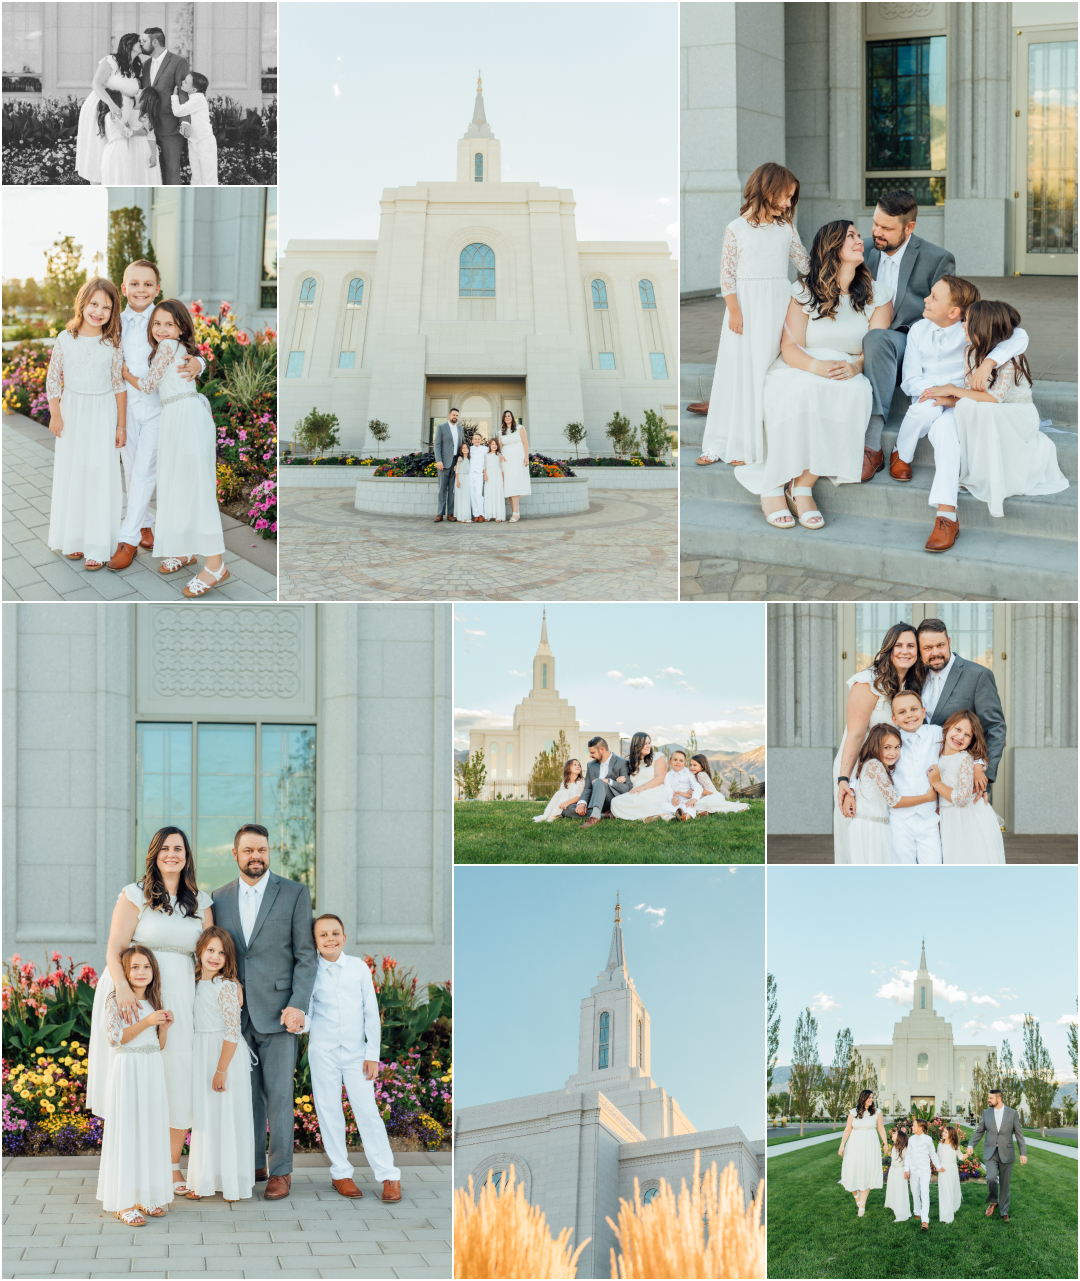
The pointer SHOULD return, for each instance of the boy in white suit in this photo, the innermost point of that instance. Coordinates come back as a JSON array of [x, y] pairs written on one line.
[[202, 145], [917, 1160], [914, 833], [343, 1049], [477, 455]]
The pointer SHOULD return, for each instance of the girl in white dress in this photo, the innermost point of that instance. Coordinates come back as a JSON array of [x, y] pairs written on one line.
[[120, 73], [494, 498], [758, 246], [515, 452], [462, 502], [1002, 451], [188, 521], [970, 830], [948, 1179], [222, 1159], [868, 834], [861, 1150], [131, 155], [88, 417], [648, 768], [817, 401], [167, 912], [712, 801], [573, 784], [134, 1172], [897, 1192]]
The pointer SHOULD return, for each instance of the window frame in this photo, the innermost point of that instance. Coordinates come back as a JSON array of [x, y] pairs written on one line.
[[646, 294], [901, 175], [483, 291], [603, 1040], [654, 356], [268, 284]]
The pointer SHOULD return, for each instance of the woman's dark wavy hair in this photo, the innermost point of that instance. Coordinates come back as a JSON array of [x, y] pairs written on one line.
[[990, 323], [861, 1107], [128, 64], [502, 421], [103, 110], [153, 887], [823, 277], [637, 756], [886, 678], [566, 780], [871, 748]]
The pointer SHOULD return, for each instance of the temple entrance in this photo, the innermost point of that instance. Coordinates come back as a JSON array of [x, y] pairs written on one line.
[[923, 1101], [480, 401]]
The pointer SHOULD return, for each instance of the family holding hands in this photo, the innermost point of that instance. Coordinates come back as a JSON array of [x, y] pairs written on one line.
[[478, 477]]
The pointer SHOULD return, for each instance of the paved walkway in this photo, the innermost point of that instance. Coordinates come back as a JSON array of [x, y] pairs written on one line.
[[622, 548], [1058, 1149], [32, 571], [54, 1226], [1022, 850], [781, 1149]]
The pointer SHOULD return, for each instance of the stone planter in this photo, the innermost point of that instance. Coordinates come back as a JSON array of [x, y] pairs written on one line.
[[419, 496], [292, 477]]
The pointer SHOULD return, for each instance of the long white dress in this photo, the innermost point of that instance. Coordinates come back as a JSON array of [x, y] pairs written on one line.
[[970, 831], [89, 144], [712, 802], [553, 809], [188, 521], [172, 939], [494, 496], [462, 501], [516, 480], [644, 804], [948, 1183], [136, 1162], [84, 511], [222, 1158], [897, 1192], [813, 423], [882, 712], [868, 839], [754, 267], [1002, 451], [126, 160], [862, 1154]]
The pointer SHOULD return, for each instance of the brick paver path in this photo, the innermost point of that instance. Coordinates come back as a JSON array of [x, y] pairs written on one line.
[[54, 1226]]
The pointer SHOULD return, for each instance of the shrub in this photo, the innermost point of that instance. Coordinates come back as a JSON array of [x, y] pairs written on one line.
[[230, 486], [655, 434], [379, 430], [622, 436], [575, 433], [317, 432], [417, 465], [471, 774]]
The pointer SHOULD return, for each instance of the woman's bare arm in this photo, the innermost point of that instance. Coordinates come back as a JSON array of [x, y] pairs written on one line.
[[860, 707], [125, 918]]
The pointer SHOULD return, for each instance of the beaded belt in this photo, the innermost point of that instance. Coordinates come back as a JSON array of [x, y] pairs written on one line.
[[186, 395], [138, 1049], [158, 947], [872, 818]]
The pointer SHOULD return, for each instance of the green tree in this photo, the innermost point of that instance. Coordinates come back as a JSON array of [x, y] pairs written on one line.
[[30, 294], [1037, 1067], [318, 431], [64, 275], [470, 774], [575, 433], [863, 1076], [692, 748], [1071, 1033], [655, 434], [127, 241], [805, 1083], [547, 771], [772, 1019], [836, 1079], [1011, 1087], [379, 430], [621, 435]]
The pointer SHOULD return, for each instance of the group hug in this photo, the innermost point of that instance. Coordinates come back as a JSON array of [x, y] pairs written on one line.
[[806, 372], [477, 477], [923, 739], [195, 1027], [645, 787], [120, 389]]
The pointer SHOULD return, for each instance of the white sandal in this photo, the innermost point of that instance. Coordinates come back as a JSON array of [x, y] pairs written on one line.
[[199, 586], [781, 519], [514, 518], [131, 1217], [174, 564], [154, 1211], [806, 519]]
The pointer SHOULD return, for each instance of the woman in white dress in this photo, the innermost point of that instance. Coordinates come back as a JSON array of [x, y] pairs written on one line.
[[573, 784], [648, 768], [868, 839], [897, 1192], [515, 452], [970, 830], [494, 496], [119, 72], [895, 666], [816, 400], [130, 157], [166, 912], [861, 1149], [948, 1179], [712, 800], [188, 520]]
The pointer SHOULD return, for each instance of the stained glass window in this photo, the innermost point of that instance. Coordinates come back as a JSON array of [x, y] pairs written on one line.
[[476, 272], [356, 293], [605, 1040], [905, 118], [599, 295]]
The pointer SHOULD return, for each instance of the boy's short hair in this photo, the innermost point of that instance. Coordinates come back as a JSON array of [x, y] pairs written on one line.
[[907, 693], [678, 752], [143, 262], [202, 84], [962, 293], [328, 916]]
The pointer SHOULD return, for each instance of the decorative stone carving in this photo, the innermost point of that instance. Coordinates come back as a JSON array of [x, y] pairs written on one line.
[[900, 12], [501, 1162]]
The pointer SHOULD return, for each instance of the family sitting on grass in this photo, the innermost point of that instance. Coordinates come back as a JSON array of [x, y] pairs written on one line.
[[648, 786]]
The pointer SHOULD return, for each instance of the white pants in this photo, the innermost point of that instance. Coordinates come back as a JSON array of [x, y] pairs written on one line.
[[139, 456], [920, 1191], [914, 840], [668, 808], [202, 156], [918, 420], [476, 492], [330, 1070], [939, 423]]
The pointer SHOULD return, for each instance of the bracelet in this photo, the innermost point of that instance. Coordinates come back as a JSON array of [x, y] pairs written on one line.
[[843, 778]]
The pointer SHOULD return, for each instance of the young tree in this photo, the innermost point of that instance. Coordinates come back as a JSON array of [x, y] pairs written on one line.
[[317, 431], [863, 1076], [619, 432], [805, 1084], [1011, 1087], [471, 773], [64, 274], [127, 240], [655, 433], [1072, 1025], [837, 1078], [379, 429], [1037, 1067], [575, 433], [773, 1024], [547, 771], [979, 1087], [692, 748]]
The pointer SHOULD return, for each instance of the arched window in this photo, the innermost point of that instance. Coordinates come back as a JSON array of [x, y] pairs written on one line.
[[356, 293], [648, 296], [922, 1065], [497, 1177], [493, 757], [605, 1040], [509, 760], [649, 1196], [478, 167], [640, 1044], [543, 676], [476, 272], [599, 295], [295, 366], [881, 1073], [307, 290], [922, 998], [962, 1065]]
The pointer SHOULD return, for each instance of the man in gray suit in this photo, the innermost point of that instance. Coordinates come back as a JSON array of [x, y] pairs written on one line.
[[165, 72], [911, 267], [956, 685], [608, 775], [447, 444], [269, 919], [1000, 1124]]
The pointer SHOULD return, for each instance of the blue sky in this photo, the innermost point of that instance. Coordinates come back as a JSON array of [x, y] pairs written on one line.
[[35, 217], [580, 95], [660, 668], [1000, 943], [529, 943]]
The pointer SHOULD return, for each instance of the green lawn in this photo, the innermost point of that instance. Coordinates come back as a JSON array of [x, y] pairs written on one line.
[[503, 832], [814, 1230], [1050, 1138], [810, 1134]]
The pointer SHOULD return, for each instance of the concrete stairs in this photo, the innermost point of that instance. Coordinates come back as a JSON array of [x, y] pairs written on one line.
[[877, 530]]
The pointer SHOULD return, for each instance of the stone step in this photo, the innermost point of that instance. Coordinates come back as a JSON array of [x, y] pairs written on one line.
[[1064, 440], [984, 562]]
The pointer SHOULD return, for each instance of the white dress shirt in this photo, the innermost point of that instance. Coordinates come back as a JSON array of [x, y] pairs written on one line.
[[935, 683], [251, 897], [918, 752], [155, 65], [935, 355], [343, 1012], [888, 269], [604, 766], [999, 1114]]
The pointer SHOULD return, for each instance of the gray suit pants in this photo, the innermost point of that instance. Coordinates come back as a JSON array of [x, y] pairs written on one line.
[[601, 795], [272, 1097], [883, 356], [446, 491], [172, 158], [998, 1174]]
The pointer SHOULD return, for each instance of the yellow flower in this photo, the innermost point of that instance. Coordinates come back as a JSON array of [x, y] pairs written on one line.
[[307, 1098], [444, 1078], [24, 1094], [51, 1091], [49, 1108], [307, 1107], [63, 1042], [39, 1049]]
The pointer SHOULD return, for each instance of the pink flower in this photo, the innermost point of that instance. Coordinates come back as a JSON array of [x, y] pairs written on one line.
[[197, 307], [224, 308], [242, 338]]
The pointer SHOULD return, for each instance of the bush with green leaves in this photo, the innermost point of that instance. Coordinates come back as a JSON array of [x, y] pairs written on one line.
[[317, 432], [655, 434]]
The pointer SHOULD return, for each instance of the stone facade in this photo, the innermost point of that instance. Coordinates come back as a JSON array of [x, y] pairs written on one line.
[[373, 679], [387, 330], [579, 1149]]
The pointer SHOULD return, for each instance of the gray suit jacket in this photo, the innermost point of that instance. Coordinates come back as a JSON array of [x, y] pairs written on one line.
[[921, 267], [277, 966], [972, 688], [445, 452], [616, 765], [171, 75], [1001, 1143]]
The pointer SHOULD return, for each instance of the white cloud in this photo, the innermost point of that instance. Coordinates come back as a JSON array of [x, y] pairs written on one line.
[[1010, 1023], [733, 870], [615, 676], [513, 673], [337, 91], [900, 989], [1066, 1019], [663, 201], [639, 682], [974, 1025], [821, 1003], [986, 1000], [654, 911], [722, 734], [672, 229], [672, 671], [468, 633], [460, 618]]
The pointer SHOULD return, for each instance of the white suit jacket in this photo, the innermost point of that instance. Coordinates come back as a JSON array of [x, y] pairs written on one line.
[[344, 1012]]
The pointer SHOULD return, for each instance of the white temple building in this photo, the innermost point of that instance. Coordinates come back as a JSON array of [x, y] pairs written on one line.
[[923, 1066], [478, 296], [578, 1149]]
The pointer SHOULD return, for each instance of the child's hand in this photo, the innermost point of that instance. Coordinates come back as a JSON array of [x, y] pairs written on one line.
[[189, 368], [735, 320], [121, 437], [934, 774], [907, 1174], [159, 1018], [218, 1082], [56, 424], [980, 376], [371, 1069]]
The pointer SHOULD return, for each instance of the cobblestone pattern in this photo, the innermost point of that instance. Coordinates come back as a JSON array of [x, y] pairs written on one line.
[[715, 579]]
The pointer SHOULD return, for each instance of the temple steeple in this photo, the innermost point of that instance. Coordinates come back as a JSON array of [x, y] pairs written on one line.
[[923, 990], [479, 157], [616, 956], [544, 665]]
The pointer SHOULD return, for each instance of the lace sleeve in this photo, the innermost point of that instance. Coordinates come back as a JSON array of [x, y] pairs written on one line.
[[878, 775], [54, 379], [1004, 382], [116, 369], [114, 1024], [161, 361], [797, 254], [728, 260], [228, 999], [964, 790]]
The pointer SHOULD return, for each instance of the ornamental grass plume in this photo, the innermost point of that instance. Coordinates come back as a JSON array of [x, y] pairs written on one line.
[[499, 1234], [704, 1232]]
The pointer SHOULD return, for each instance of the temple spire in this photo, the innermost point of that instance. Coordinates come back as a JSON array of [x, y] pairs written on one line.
[[543, 628], [478, 126], [616, 956], [922, 959]]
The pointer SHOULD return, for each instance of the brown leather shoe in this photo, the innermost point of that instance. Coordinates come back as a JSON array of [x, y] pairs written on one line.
[[262, 1174], [123, 556], [990, 1209], [1004, 1218], [146, 541], [898, 469], [391, 1190], [873, 461], [346, 1187], [590, 822], [278, 1187], [437, 519], [946, 532]]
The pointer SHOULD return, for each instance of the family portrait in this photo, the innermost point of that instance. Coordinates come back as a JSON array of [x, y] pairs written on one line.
[[192, 102]]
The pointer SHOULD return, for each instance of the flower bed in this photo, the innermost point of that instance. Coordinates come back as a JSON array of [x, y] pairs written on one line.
[[25, 368], [417, 465], [334, 460], [636, 460]]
